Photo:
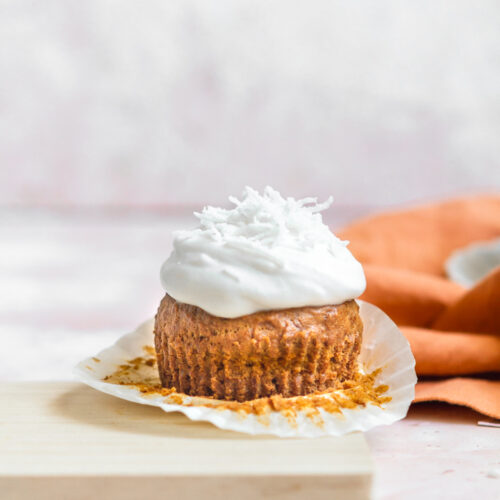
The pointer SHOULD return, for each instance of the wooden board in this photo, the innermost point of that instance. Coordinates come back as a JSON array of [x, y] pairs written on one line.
[[66, 440]]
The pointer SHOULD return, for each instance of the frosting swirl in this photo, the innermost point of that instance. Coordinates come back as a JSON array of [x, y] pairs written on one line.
[[266, 253]]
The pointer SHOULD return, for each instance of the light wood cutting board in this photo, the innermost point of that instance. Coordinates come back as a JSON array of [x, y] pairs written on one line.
[[62, 440]]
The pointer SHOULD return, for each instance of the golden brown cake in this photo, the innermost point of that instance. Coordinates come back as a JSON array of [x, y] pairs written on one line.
[[290, 352]]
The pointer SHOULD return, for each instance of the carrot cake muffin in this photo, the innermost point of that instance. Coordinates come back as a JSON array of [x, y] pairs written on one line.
[[259, 301]]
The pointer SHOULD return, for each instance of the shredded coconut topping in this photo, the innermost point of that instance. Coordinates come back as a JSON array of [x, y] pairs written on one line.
[[268, 220]]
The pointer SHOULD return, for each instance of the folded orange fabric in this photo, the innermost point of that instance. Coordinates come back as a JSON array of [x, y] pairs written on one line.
[[452, 331]]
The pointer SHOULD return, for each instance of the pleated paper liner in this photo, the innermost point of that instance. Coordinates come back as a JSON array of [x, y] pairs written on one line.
[[380, 394]]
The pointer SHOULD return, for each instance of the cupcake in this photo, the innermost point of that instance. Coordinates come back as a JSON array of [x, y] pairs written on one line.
[[259, 301]]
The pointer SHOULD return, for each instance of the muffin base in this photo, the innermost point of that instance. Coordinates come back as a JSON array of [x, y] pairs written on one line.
[[290, 352]]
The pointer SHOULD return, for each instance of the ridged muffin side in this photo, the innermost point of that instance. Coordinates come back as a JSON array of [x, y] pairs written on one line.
[[290, 352]]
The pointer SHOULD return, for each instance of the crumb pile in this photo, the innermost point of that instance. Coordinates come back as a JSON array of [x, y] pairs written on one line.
[[141, 373]]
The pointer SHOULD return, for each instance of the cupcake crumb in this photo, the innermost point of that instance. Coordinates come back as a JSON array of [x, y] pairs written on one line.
[[141, 374]]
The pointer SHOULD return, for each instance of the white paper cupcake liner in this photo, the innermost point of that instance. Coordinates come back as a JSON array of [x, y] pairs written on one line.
[[384, 347]]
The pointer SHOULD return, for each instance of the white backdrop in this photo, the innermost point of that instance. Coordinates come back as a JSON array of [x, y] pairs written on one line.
[[129, 102]]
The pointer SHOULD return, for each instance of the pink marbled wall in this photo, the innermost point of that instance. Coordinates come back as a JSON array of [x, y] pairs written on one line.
[[180, 102]]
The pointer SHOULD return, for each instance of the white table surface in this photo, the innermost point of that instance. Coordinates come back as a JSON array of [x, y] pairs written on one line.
[[73, 281]]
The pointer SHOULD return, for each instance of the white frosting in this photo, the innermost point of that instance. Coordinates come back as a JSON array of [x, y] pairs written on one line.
[[266, 253]]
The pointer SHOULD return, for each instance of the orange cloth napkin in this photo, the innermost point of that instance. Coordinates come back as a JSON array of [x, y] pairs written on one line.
[[453, 332]]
